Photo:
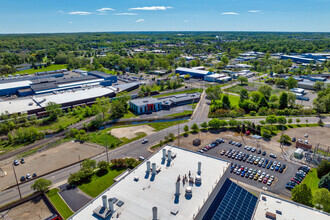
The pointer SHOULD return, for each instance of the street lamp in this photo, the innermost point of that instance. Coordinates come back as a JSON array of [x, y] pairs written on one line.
[[19, 191]]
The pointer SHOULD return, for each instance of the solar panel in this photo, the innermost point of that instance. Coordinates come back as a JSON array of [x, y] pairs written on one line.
[[232, 202]]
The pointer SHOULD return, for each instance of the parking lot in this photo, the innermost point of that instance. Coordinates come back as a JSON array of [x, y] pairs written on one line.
[[280, 179]]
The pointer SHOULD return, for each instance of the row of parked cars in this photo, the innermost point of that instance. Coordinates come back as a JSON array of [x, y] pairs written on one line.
[[17, 162], [252, 159], [250, 173], [212, 145], [298, 178], [28, 176], [252, 149]]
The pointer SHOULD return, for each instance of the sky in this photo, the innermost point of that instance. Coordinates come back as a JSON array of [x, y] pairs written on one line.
[[54, 16]]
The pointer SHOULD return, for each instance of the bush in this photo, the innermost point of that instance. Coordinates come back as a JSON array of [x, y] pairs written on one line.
[[325, 182], [285, 139], [89, 164], [41, 185], [253, 113], [266, 133], [323, 168], [194, 128], [103, 166]]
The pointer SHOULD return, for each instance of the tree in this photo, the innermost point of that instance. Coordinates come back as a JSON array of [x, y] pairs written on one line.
[[271, 119], [322, 198], [223, 123], [54, 110], [302, 194], [325, 182], [225, 102], [323, 168], [242, 79], [225, 60], [41, 185], [194, 128], [214, 123], [103, 105], [266, 90], [318, 85], [171, 136], [291, 99], [283, 102], [204, 125], [280, 82], [255, 96], [289, 121], [263, 102], [320, 122], [285, 139], [273, 98], [214, 92], [244, 95], [186, 128], [297, 120], [88, 163], [291, 82], [103, 166], [281, 120], [266, 133]]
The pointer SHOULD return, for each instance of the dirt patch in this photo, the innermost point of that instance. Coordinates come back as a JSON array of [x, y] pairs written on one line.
[[34, 209], [49, 160], [131, 132]]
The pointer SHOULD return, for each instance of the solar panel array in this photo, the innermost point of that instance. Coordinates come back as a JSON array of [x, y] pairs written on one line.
[[232, 202]]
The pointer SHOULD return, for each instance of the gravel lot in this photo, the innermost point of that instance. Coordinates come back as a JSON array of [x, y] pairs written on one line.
[[49, 160], [35, 209]]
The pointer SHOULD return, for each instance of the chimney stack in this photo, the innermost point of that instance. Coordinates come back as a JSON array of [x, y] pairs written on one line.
[[154, 213], [111, 208], [177, 188], [199, 168], [169, 155], [164, 154], [104, 200], [148, 166], [153, 168]]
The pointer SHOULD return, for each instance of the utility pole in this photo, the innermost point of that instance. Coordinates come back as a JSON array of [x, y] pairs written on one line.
[[178, 135], [106, 145], [19, 191], [79, 161]]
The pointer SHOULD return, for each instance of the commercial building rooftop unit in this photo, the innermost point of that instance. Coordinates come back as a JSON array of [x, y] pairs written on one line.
[[173, 183], [270, 207]]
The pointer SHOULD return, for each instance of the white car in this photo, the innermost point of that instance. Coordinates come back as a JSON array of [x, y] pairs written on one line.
[[306, 141], [306, 135], [28, 176]]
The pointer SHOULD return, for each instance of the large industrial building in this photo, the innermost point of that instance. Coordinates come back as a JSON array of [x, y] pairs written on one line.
[[195, 73], [175, 183], [146, 105]]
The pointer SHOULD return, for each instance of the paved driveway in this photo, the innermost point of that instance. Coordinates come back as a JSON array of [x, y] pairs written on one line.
[[75, 198]]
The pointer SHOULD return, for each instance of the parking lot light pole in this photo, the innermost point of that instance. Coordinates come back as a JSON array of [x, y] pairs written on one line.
[[19, 191]]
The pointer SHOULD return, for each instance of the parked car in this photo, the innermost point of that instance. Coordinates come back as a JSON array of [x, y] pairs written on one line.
[[264, 153], [22, 161], [16, 163], [22, 178], [145, 141], [28, 176], [259, 152], [34, 175], [272, 155], [253, 149], [294, 139]]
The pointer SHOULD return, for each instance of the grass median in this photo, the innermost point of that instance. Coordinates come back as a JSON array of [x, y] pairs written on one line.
[[59, 204]]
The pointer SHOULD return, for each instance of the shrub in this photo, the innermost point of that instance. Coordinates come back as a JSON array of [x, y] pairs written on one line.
[[253, 113], [325, 182], [323, 168]]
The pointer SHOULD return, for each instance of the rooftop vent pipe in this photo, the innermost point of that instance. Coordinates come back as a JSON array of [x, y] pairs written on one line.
[[164, 153], [104, 200], [199, 168], [111, 208], [148, 166], [154, 213], [153, 168], [177, 188], [169, 155]]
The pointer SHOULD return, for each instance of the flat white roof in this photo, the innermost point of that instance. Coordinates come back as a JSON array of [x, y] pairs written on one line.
[[140, 196], [192, 70], [215, 76], [80, 83], [16, 84], [27, 104], [286, 210]]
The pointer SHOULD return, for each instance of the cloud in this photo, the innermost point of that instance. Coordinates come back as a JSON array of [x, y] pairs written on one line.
[[230, 13], [152, 8], [60, 11], [125, 14], [105, 9], [254, 11], [185, 21], [70, 22], [79, 13], [140, 20]]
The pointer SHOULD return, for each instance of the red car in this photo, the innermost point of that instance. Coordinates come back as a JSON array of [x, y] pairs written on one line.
[[248, 133], [265, 180]]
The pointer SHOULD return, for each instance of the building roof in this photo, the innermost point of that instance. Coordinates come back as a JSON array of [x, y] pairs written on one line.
[[16, 84], [141, 191], [100, 74], [215, 76], [145, 101], [284, 209], [193, 70]]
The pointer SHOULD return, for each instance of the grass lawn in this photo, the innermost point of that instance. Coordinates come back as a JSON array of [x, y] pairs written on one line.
[[186, 112], [100, 183], [48, 68], [130, 114], [234, 99], [239, 87], [64, 121], [138, 136], [99, 137], [179, 92], [311, 180], [59, 204], [162, 125]]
